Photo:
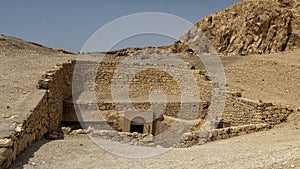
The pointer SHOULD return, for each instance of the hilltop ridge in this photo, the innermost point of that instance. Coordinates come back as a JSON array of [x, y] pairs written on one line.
[[252, 27]]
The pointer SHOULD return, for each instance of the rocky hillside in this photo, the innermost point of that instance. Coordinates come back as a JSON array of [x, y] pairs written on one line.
[[251, 27]]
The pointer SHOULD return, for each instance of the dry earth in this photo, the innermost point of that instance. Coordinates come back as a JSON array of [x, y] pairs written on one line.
[[269, 77], [278, 148], [273, 77], [21, 65]]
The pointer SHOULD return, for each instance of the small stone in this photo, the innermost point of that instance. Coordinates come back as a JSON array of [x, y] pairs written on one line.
[[135, 135], [113, 133], [32, 163], [13, 117], [53, 136], [187, 136], [18, 129], [6, 143], [103, 132], [89, 130], [148, 138], [79, 131], [66, 130]]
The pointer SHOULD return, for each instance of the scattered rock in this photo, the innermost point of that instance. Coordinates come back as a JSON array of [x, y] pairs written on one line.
[[66, 130], [134, 138], [32, 163], [79, 131]]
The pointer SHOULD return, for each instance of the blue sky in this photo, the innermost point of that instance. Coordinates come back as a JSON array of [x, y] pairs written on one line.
[[68, 24]]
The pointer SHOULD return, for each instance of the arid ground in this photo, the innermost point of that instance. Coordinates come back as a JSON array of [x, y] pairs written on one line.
[[272, 77]]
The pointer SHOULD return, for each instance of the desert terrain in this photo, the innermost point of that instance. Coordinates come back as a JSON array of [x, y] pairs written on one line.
[[259, 46], [277, 148]]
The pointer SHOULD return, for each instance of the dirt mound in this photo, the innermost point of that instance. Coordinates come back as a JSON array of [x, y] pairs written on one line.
[[252, 27], [11, 46]]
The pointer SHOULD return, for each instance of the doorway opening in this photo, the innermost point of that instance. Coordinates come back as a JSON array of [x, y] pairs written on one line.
[[137, 125]]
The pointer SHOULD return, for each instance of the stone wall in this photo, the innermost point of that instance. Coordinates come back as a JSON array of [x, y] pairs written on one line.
[[241, 111], [172, 109], [192, 138], [58, 83], [41, 113], [33, 127], [145, 81]]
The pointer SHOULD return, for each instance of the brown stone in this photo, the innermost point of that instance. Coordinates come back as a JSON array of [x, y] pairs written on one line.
[[6, 143]]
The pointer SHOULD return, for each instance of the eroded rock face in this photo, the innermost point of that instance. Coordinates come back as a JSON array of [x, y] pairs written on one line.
[[252, 27]]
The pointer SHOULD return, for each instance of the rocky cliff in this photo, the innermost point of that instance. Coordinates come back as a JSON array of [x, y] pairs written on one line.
[[251, 27]]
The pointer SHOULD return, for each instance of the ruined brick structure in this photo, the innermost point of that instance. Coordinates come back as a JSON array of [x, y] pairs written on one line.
[[53, 103]]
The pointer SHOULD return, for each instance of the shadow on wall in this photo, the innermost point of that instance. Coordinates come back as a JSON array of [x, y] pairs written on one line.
[[25, 156]]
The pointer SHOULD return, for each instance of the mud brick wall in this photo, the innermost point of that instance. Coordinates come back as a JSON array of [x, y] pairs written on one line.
[[241, 111], [148, 79], [140, 87]]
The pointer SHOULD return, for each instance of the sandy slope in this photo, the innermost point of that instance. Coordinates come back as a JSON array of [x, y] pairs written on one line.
[[21, 65], [271, 77]]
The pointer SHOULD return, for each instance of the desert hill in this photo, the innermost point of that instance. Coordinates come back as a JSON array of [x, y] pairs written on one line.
[[14, 46], [268, 30], [252, 27], [22, 63]]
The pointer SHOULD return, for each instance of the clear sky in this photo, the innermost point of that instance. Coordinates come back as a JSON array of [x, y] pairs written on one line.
[[68, 24]]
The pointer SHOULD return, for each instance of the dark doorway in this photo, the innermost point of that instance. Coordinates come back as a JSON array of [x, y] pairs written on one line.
[[137, 128], [137, 125]]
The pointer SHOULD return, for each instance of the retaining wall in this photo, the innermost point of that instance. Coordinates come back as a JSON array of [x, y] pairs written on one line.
[[242, 111], [41, 113]]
